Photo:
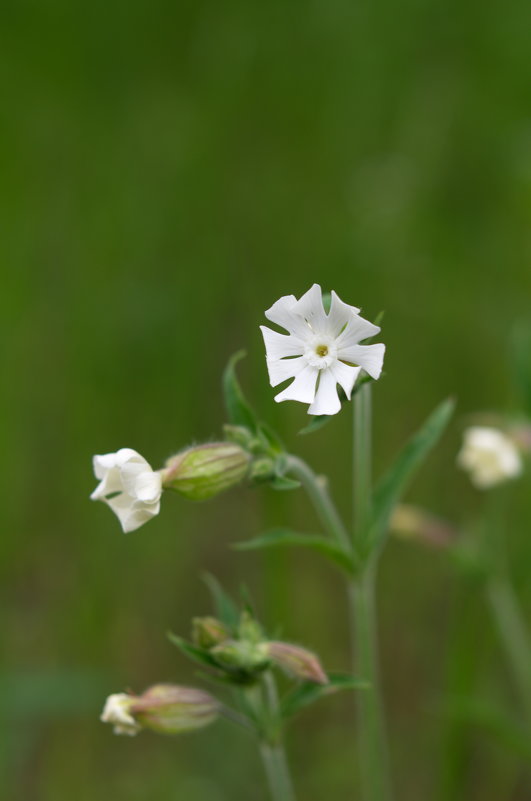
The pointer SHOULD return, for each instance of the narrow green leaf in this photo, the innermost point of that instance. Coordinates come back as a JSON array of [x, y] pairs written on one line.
[[226, 610], [238, 410], [305, 694], [282, 537], [317, 422], [394, 482], [191, 651]]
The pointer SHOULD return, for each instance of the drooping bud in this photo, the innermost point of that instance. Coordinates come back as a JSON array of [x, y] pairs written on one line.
[[296, 661], [240, 655], [208, 632], [164, 708], [203, 471]]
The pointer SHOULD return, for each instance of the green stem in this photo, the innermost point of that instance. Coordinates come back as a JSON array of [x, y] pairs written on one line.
[[276, 768], [513, 634], [502, 599], [317, 490], [264, 701], [372, 740]]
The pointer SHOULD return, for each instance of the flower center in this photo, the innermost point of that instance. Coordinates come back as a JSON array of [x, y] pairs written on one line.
[[320, 351]]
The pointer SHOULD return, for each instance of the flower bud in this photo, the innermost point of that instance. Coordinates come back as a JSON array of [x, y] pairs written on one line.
[[164, 708], [208, 632], [240, 655], [250, 629], [296, 661], [203, 471]]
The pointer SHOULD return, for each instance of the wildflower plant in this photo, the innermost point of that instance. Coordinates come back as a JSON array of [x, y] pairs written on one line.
[[330, 359]]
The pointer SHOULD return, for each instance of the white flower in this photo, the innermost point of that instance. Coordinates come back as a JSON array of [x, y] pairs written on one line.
[[489, 456], [129, 486], [320, 351], [116, 711]]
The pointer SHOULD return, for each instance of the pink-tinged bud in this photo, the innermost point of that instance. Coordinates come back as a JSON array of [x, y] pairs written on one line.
[[170, 709], [410, 522], [208, 632], [164, 708], [296, 661], [203, 471]]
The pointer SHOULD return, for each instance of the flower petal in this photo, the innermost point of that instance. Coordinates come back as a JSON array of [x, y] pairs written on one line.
[[356, 330], [345, 375], [326, 399], [310, 308], [148, 486], [280, 345], [131, 513], [370, 357], [339, 315], [282, 313], [302, 388], [282, 369]]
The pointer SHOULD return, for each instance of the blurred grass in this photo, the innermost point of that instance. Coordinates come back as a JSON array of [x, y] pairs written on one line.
[[169, 170]]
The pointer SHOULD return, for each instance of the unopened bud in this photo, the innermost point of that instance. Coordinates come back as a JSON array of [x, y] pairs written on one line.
[[296, 661], [208, 632], [164, 708], [250, 629], [206, 470], [240, 655], [170, 709]]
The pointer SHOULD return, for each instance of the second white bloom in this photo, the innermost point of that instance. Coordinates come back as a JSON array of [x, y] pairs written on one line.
[[129, 486], [320, 351]]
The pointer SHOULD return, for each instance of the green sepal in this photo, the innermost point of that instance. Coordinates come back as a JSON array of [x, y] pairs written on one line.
[[194, 653], [239, 411], [226, 609], [283, 537], [308, 693], [394, 482]]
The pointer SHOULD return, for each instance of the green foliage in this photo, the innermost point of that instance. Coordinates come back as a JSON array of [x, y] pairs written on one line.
[[226, 609], [394, 482], [283, 537], [306, 694], [238, 410]]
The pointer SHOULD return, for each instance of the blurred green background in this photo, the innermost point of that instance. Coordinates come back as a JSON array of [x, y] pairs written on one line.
[[168, 170]]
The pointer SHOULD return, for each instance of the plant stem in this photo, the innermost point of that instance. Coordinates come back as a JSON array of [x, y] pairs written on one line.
[[513, 634], [316, 489], [502, 599], [264, 701], [372, 741], [276, 768]]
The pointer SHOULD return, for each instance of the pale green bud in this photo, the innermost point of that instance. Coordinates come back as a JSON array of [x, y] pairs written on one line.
[[203, 471], [171, 709], [208, 632], [295, 661], [249, 629], [240, 655]]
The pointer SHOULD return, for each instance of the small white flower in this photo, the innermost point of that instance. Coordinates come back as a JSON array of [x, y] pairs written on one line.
[[116, 711], [489, 456], [320, 351], [129, 486]]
